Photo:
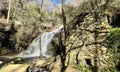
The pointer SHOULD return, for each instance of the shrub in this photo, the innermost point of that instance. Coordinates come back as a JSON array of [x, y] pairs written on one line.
[[113, 43]]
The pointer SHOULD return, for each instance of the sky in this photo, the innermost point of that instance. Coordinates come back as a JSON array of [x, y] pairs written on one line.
[[59, 1], [56, 1]]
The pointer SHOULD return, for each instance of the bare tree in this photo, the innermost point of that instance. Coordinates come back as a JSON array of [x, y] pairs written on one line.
[[64, 18], [8, 15], [41, 4]]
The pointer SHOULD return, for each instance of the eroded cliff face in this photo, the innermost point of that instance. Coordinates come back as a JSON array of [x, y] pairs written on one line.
[[84, 47]]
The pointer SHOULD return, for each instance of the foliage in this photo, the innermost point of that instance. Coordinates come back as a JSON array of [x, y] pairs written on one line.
[[114, 38], [83, 68], [32, 16], [113, 43]]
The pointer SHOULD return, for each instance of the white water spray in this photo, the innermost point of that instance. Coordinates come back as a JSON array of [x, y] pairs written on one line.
[[42, 41], [33, 50]]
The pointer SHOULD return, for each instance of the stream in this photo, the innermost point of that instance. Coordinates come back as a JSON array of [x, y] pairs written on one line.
[[31, 54]]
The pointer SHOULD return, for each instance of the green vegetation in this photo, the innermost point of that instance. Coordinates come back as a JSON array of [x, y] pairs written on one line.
[[83, 68], [114, 38], [33, 16], [113, 43]]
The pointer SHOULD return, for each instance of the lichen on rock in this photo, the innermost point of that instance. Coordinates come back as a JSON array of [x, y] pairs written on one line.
[[85, 42]]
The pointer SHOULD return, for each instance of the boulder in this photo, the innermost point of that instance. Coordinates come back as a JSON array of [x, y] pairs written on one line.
[[14, 68]]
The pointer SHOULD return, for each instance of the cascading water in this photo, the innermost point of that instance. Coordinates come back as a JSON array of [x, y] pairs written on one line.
[[46, 39], [42, 42], [33, 50]]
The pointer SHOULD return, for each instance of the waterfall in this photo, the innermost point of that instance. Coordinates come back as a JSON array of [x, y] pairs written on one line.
[[33, 50], [42, 42]]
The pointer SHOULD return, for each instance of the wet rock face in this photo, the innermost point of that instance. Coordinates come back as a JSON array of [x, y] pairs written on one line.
[[3, 13], [7, 32], [54, 47], [36, 69], [47, 26], [13, 35], [1, 39]]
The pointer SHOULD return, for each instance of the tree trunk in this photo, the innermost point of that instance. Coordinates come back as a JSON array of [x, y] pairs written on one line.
[[8, 15], [41, 4], [40, 49], [64, 18]]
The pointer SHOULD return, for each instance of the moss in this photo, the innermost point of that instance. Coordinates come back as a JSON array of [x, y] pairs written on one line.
[[83, 68], [113, 40], [113, 43]]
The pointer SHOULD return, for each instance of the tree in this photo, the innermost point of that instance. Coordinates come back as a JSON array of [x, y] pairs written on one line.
[[64, 18], [8, 15]]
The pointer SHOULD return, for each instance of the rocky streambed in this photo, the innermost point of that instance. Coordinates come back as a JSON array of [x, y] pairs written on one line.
[[22, 65]]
